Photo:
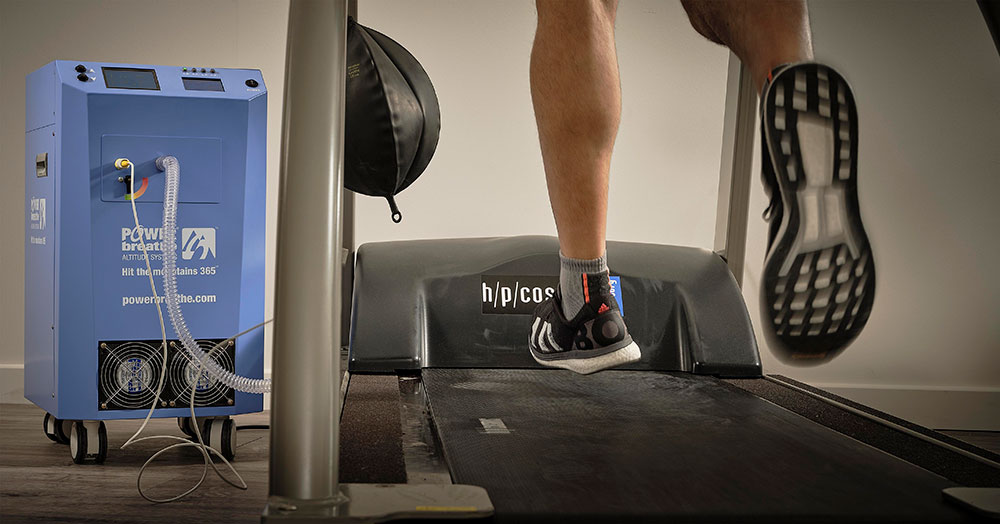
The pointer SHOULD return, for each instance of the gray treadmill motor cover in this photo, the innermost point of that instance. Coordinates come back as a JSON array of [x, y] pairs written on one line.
[[466, 303]]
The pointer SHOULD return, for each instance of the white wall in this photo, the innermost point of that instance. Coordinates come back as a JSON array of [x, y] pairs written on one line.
[[925, 75], [486, 177]]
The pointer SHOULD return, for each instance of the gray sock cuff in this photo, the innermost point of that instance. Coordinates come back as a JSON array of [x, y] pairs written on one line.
[[582, 265]]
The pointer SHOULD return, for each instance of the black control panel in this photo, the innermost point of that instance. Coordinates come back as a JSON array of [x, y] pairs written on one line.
[[129, 78], [202, 84]]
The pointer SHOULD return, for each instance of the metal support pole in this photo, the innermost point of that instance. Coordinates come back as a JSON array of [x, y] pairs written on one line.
[[306, 367], [736, 169], [305, 394]]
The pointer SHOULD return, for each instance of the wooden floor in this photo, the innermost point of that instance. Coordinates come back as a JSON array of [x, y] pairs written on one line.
[[40, 483]]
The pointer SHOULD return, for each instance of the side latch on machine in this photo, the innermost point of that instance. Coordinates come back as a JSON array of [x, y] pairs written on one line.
[[41, 165]]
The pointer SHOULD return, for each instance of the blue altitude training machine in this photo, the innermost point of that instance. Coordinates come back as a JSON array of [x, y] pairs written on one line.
[[93, 344]]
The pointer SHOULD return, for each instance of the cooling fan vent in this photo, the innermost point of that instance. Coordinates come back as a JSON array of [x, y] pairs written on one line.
[[128, 373], [182, 376]]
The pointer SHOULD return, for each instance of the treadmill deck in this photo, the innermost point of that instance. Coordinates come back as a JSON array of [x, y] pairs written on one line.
[[623, 444]]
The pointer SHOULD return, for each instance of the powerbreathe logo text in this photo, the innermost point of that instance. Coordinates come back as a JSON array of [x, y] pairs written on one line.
[[133, 237], [196, 242]]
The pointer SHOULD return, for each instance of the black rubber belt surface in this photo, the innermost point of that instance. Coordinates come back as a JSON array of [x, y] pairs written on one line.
[[646, 445], [371, 449]]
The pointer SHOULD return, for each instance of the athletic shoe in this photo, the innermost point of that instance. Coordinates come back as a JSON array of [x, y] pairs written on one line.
[[818, 282], [595, 339]]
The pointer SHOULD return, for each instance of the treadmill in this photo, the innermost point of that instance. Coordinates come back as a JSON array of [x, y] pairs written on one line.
[[443, 400], [447, 392]]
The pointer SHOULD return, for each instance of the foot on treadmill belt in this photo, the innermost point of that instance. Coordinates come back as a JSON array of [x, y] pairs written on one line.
[[818, 282], [595, 339]]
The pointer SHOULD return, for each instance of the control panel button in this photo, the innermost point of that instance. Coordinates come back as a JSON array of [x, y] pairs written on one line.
[[82, 77], [252, 83], [80, 68], [211, 71], [203, 70]]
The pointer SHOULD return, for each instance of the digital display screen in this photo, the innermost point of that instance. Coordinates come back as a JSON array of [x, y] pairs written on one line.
[[202, 84], [128, 78]]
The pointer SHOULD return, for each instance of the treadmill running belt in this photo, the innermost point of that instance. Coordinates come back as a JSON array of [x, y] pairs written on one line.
[[623, 444]]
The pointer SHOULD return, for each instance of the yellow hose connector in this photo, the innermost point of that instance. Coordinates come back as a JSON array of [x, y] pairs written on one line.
[[122, 163]]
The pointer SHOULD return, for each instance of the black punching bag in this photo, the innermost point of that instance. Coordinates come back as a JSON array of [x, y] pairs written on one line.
[[392, 119]]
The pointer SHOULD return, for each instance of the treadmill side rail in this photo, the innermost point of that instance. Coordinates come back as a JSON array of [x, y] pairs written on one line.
[[466, 303]]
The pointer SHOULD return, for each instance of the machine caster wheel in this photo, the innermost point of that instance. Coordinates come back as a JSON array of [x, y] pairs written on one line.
[[221, 435], [88, 440], [57, 430], [188, 428], [185, 424]]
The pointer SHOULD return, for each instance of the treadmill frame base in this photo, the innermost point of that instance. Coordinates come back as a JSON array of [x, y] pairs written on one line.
[[384, 502]]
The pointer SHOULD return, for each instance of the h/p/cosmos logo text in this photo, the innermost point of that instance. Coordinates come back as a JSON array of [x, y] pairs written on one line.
[[516, 295], [520, 294]]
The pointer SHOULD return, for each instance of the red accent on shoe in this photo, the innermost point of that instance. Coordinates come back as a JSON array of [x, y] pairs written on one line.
[[586, 291], [603, 308]]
